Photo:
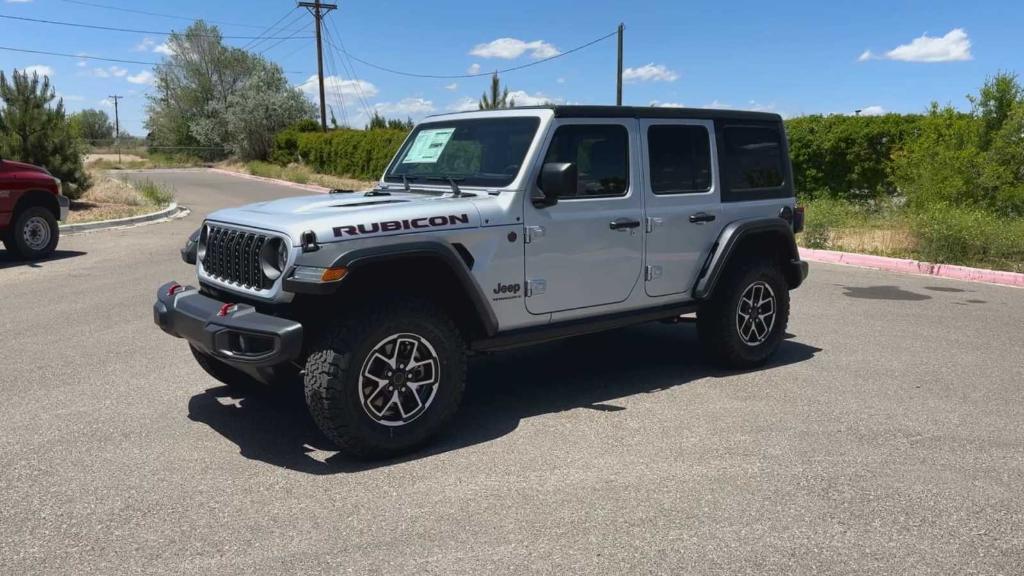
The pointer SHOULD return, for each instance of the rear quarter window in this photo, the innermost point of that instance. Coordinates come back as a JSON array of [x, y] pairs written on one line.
[[753, 161]]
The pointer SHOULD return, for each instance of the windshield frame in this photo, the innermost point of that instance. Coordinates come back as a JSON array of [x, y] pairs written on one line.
[[443, 121]]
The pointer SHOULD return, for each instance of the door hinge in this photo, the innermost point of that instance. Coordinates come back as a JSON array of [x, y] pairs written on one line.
[[536, 287], [652, 273], [652, 223], [533, 232]]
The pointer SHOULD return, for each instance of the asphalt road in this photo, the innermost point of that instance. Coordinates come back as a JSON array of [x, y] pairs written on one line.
[[887, 437]]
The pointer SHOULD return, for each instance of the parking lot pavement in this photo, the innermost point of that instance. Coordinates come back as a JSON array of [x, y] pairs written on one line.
[[886, 437]]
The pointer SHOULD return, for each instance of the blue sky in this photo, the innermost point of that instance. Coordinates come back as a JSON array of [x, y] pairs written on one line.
[[798, 57]]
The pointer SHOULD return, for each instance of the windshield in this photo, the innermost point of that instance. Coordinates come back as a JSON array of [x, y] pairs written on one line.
[[479, 152]]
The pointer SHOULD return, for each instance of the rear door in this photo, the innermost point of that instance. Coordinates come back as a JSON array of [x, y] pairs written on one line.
[[587, 250], [682, 193]]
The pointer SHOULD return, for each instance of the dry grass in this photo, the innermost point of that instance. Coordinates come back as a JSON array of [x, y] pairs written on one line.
[[110, 198], [297, 173], [893, 242]]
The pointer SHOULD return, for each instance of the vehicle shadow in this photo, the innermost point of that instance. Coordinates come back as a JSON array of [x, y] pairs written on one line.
[[7, 260], [588, 372]]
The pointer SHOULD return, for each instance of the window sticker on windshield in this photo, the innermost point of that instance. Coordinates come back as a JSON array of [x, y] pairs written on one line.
[[428, 146]]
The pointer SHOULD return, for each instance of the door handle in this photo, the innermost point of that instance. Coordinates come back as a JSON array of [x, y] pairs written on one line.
[[623, 224], [701, 217]]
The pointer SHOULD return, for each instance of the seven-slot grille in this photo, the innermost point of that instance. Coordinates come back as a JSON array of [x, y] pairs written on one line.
[[234, 256]]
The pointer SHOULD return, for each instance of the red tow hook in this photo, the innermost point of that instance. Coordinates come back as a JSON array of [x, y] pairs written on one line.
[[174, 289], [227, 309]]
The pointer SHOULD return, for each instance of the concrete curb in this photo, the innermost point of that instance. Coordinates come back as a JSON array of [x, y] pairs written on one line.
[[914, 267], [306, 187], [170, 212]]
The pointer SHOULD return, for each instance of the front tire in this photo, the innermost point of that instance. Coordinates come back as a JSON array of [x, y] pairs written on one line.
[[744, 322], [34, 235], [385, 381]]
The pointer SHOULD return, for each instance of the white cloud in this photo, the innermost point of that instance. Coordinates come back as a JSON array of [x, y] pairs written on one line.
[[649, 73], [335, 87], [163, 49], [716, 104], [523, 98], [512, 48], [872, 111], [106, 103], [474, 68], [145, 46], [464, 104], [405, 107], [955, 46], [115, 71], [40, 69], [17, 1], [658, 104], [143, 77], [453, 86]]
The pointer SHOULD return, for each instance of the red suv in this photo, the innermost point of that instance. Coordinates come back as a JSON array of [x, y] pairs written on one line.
[[31, 203]]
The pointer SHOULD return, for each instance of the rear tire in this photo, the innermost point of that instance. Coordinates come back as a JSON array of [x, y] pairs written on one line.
[[34, 234], [744, 322], [386, 380]]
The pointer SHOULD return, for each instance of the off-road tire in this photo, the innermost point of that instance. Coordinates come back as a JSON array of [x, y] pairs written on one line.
[[717, 322], [15, 241], [333, 376], [223, 373]]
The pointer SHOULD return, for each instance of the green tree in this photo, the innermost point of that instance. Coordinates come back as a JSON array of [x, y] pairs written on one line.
[[496, 98], [199, 84], [93, 126], [35, 129], [994, 104]]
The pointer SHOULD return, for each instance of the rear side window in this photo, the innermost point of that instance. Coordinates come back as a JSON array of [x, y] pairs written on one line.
[[601, 155], [752, 158], [680, 159]]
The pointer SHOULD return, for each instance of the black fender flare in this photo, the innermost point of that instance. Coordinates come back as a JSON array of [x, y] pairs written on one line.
[[458, 262], [732, 235]]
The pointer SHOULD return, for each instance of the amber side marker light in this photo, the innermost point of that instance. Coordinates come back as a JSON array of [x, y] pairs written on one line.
[[333, 274]]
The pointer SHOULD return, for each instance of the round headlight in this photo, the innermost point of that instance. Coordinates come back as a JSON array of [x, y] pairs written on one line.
[[274, 258], [201, 243]]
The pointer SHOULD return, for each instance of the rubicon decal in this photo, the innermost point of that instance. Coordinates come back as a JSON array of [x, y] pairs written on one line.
[[397, 225]]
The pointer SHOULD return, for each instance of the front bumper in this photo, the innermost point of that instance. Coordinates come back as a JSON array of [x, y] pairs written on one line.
[[65, 207], [235, 334]]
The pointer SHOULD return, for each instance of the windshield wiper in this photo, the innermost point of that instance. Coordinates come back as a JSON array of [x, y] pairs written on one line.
[[453, 182]]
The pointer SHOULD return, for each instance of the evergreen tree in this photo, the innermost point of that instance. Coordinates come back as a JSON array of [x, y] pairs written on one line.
[[498, 98]]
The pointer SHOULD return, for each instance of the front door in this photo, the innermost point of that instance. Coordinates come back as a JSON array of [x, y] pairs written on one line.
[[683, 202], [587, 250]]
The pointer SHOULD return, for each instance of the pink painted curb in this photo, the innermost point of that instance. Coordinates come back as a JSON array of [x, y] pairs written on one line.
[[914, 267], [306, 187]]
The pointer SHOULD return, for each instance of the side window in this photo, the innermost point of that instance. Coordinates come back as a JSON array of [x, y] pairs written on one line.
[[752, 158], [680, 159], [601, 155]]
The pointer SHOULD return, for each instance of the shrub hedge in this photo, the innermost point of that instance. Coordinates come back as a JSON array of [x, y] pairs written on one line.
[[362, 154]]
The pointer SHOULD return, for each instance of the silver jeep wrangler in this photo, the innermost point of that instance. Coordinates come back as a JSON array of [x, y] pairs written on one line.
[[491, 230]]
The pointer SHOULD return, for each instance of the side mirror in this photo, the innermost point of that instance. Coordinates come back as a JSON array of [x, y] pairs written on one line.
[[557, 179]]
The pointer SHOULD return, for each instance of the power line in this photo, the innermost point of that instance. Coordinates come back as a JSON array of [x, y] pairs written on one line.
[[294, 34], [172, 16], [113, 29], [101, 59], [267, 30], [350, 70], [479, 74]]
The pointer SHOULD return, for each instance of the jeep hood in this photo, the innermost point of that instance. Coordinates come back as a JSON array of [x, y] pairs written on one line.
[[336, 217]]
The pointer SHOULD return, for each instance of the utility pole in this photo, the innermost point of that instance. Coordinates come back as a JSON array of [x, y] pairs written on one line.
[[117, 127], [618, 77], [318, 10]]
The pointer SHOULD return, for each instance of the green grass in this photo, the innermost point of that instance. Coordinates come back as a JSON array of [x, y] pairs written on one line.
[[941, 233], [154, 193]]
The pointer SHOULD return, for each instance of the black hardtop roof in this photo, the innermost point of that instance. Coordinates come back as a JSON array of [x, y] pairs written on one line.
[[568, 111], [585, 111]]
